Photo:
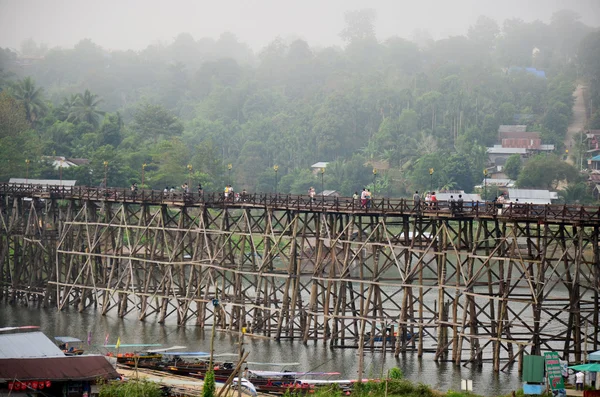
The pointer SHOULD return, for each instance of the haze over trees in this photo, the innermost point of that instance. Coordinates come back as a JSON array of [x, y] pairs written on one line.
[[209, 103]]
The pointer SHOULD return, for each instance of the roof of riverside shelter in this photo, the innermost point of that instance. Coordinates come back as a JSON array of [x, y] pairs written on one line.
[[42, 182], [27, 345], [533, 196], [320, 164], [75, 368]]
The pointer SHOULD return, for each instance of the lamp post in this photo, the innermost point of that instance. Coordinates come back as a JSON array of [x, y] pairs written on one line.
[[275, 168], [374, 178], [229, 167], [105, 173], [485, 184], [322, 188], [60, 165], [190, 168], [143, 172], [27, 171], [430, 180]]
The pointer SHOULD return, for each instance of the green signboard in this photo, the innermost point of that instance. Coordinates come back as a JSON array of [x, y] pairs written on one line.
[[553, 372]]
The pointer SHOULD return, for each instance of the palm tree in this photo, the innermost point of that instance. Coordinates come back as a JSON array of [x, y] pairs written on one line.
[[85, 109], [31, 98], [67, 107]]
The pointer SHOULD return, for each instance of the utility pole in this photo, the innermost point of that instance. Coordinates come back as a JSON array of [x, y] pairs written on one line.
[[431, 180], [27, 171], [485, 172]]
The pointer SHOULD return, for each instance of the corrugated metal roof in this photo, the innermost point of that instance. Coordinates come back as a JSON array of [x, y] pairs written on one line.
[[28, 345], [534, 196], [546, 147], [466, 196], [76, 368], [42, 182], [320, 164], [512, 128], [498, 182], [497, 149]]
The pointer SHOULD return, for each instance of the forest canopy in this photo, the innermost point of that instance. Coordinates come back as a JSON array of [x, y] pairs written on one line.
[[395, 105]]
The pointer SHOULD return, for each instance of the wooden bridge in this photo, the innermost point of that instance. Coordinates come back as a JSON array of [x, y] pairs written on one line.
[[470, 284]]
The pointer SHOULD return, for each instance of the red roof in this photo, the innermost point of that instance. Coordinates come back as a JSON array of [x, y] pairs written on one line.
[[75, 368]]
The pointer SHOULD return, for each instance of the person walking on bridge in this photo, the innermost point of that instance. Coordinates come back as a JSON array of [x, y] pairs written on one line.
[[417, 201]]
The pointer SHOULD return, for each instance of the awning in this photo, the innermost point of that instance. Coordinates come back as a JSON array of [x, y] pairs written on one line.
[[591, 367], [595, 356]]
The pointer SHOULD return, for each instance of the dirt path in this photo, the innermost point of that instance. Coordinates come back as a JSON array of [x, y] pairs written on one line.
[[578, 122]]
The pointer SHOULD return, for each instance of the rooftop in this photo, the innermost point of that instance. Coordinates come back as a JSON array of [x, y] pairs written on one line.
[[466, 196], [504, 182], [27, 345], [320, 164], [498, 149], [77, 368], [534, 196], [42, 182], [512, 128]]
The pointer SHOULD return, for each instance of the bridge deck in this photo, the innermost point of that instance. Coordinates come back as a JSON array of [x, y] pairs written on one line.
[[551, 213]]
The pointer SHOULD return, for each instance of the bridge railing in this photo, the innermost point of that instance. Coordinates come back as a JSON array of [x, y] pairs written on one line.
[[556, 212]]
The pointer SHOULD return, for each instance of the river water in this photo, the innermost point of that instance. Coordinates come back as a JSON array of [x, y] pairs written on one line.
[[312, 357]]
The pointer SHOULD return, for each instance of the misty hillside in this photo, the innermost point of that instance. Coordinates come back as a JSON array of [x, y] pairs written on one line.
[[397, 105]]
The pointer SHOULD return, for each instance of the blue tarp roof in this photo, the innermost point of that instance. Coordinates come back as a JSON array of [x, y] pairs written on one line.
[[537, 73], [596, 158]]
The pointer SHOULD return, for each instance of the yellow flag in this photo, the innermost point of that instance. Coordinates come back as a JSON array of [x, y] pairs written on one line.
[[118, 342]]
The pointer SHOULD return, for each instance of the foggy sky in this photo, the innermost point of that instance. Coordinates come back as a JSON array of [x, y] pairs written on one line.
[[134, 24]]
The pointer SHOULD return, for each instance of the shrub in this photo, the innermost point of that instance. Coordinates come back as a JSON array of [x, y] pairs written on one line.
[[208, 390]]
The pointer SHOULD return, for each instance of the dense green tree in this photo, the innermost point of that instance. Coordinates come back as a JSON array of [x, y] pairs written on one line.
[[576, 193], [545, 172], [457, 168], [17, 141], [154, 121], [512, 167], [111, 130], [31, 97], [86, 109]]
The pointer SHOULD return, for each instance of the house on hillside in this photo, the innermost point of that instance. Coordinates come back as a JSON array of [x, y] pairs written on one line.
[[317, 167], [515, 139], [594, 162], [64, 162]]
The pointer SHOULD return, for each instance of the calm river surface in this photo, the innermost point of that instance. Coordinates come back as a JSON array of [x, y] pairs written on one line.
[[312, 357]]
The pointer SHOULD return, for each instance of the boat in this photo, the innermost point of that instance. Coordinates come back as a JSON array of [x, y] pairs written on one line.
[[276, 382], [69, 345], [134, 358]]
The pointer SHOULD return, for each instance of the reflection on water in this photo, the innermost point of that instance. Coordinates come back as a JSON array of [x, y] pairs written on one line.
[[313, 357]]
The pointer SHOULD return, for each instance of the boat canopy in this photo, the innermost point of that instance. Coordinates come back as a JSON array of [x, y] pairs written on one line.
[[285, 373], [67, 339], [274, 364], [134, 345], [166, 349], [192, 354]]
